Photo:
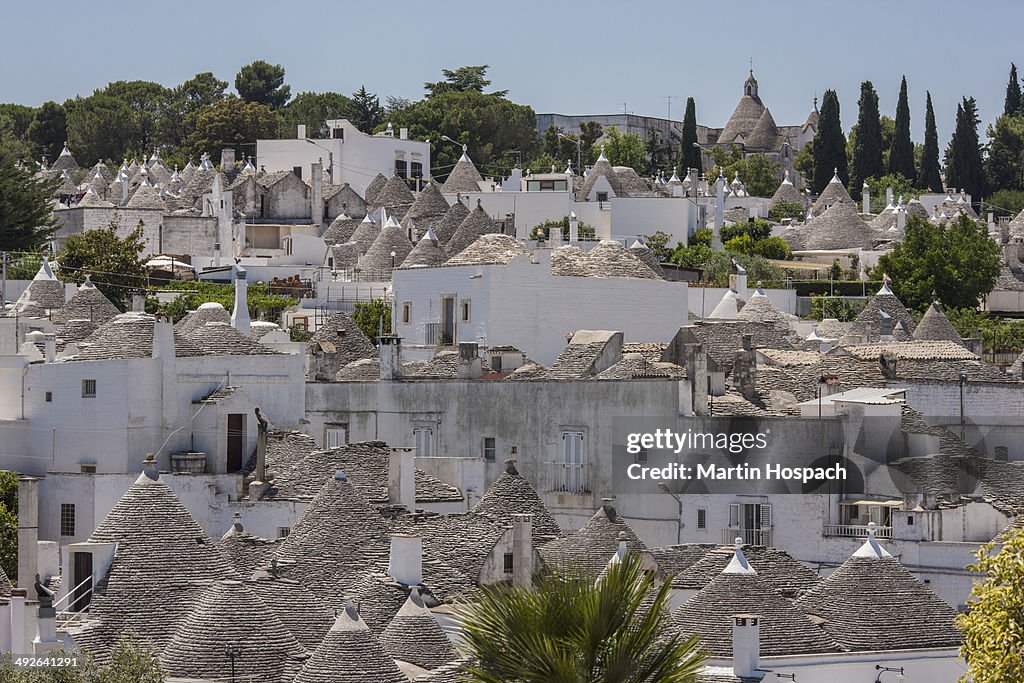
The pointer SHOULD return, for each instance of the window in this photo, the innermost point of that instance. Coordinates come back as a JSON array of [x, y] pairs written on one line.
[[910, 520], [702, 518], [406, 312], [283, 531], [297, 170], [509, 563], [573, 459], [424, 439], [401, 168], [87, 467], [465, 311], [602, 196], [490, 449], [335, 436], [88, 388], [67, 519], [546, 185], [417, 169], [49, 397], [338, 133], [496, 363]]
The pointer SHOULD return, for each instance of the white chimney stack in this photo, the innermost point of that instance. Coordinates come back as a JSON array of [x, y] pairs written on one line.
[[50, 347], [574, 227], [866, 191], [522, 549], [216, 254], [17, 607], [405, 562], [470, 365], [390, 350], [28, 531], [300, 131], [316, 194], [240, 316], [401, 477], [746, 645]]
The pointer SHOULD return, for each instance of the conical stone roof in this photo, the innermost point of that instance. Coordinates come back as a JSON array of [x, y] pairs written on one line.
[[489, 249], [868, 321], [209, 312], [935, 326], [341, 229], [395, 197], [302, 611], [588, 549], [365, 234], [65, 161], [430, 205], [743, 120], [833, 193], [839, 227], [476, 224], [446, 227], [512, 494], [45, 289], [378, 259], [350, 653], [464, 177], [602, 168], [427, 252], [374, 188], [645, 254], [610, 259], [414, 636], [787, 192], [229, 614], [765, 135], [759, 308], [88, 303]]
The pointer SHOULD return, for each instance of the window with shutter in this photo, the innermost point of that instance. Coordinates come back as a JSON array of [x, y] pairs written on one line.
[[734, 515], [766, 516], [702, 518]]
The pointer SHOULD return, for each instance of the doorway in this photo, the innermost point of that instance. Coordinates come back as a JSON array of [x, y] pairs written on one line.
[[236, 441], [82, 582]]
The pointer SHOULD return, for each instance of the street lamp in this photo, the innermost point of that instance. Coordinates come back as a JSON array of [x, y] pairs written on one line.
[[900, 676], [579, 155], [455, 142], [232, 651], [679, 520], [330, 158]]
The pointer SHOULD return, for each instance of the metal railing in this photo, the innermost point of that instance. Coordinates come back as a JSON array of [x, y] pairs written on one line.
[[856, 531], [749, 536], [435, 334], [69, 615], [563, 477]]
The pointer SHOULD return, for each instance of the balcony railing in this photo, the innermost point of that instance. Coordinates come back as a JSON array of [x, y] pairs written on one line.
[[564, 477], [856, 531], [749, 536], [435, 334]]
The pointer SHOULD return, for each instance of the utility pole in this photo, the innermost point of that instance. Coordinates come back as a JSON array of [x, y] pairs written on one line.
[[3, 284], [670, 98]]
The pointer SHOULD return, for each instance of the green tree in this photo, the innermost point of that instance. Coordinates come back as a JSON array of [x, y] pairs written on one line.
[[783, 210], [96, 128], [957, 261], [365, 112], [20, 117], [184, 104], [147, 102], [49, 130], [114, 264], [584, 231], [931, 175], [463, 79], [26, 218], [964, 167], [9, 524], [235, 123], [829, 144], [1012, 103], [263, 83], [901, 187], [132, 661], [901, 154], [578, 631], [263, 303], [1004, 166], [313, 110], [373, 317], [867, 149], [993, 645], [689, 155], [590, 133], [622, 149], [1005, 202], [803, 163], [659, 153], [760, 175]]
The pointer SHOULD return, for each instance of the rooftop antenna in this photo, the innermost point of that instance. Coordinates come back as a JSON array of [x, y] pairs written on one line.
[[670, 98]]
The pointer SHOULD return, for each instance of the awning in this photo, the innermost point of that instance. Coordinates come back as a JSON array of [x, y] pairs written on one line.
[[879, 503]]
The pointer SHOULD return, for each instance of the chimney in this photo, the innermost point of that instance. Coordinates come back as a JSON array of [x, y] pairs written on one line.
[[227, 159], [522, 549], [28, 534], [216, 254], [866, 191], [696, 362], [744, 369], [746, 645], [887, 364], [405, 562], [125, 189], [149, 467], [390, 350], [163, 339], [240, 315], [574, 227], [888, 195], [17, 607], [300, 131], [49, 347], [138, 303], [261, 447], [402, 478], [469, 360], [716, 235], [901, 216], [316, 195], [403, 133], [46, 638]]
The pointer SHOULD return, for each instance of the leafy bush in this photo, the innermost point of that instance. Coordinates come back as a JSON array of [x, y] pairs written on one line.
[[783, 210], [373, 317], [584, 231], [262, 303], [824, 306]]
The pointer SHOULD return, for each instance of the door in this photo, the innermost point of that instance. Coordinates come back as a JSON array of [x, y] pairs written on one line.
[[236, 441], [447, 321], [572, 449], [82, 582]]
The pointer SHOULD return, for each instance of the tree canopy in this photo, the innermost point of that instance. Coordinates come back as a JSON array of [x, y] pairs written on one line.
[[232, 122], [26, 220], [577, 631], [49, 130], [114, 264], [956, 261], [867, 148], [96, 127], [829, 146], [964, 167], [263, 83], [901, 153], [622, 149], [931, 174], [1012, 103], [689, 155], [462, 79]]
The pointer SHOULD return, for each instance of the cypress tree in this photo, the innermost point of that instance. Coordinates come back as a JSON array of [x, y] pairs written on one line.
[[964, 167], [867, 146], [901, 154], [1012, 105], [690, 156], [829, 144], [931, 176]]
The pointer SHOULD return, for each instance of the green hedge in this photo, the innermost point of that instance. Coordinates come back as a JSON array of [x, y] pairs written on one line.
[[838, 287]]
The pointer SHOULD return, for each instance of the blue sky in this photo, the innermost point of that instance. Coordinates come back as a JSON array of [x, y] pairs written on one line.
[[569, 57]]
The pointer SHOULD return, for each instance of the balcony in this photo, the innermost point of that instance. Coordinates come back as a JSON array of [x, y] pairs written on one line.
[[856, 531], [437, 334], [749, 536], [561, 477]]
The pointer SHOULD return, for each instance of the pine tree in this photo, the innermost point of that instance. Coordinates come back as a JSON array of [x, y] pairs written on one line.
[[867, 147], [1013, 95], [829, 144], [689, 156], [931, 176], [901, 154], [964, 167]]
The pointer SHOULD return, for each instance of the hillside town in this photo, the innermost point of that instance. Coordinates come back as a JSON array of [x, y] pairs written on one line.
[[309, 404]]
